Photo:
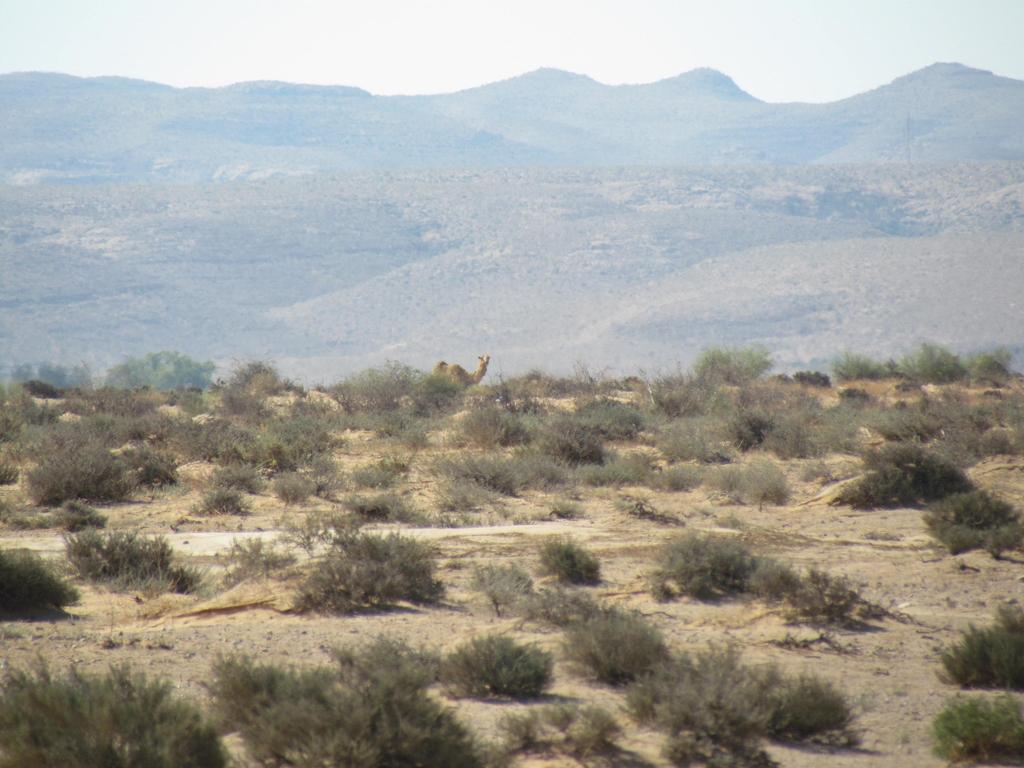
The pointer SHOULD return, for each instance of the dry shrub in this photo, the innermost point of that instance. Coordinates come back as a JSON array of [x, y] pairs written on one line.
[[30, 584], [503, 585], [496, 665], [992, 657], [129, 561], [613, 646], [569, 562]]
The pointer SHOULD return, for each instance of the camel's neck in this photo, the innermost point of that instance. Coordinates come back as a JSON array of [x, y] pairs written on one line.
[[480, 372]]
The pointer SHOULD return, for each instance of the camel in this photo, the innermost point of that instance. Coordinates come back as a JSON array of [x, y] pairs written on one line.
[[460, 375]]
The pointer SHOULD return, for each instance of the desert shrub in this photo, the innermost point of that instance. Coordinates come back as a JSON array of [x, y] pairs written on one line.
[[611, 419], [8, 472], [991, 368], [851, 367], [906, 423], [493, 427], [151, 469], [293, 488], [614, 647], [287, 444], [813, 379], [128, 561], [694, 439], [259, 378], [377, 475], [364, 571], [680, 396], [496, 665], [53, 373], [824, 599], [734, 366], [238, 477], [161, 370], [793, 435], [222, 501], [772, 580], [702, 566], [933, 364], [716, 709], [461, 495], [565, 509], [748, 429], [537, 470], [631, 469], [980, 730], [493, 472], [212, 440], [369, 708], [567, 440], [41, 389], [377, 390], [74, 516], [975, 520], [901, 475], [325, 476], [28, 583], [254, 558], [503, 585], [383, 507], [569, 562], [757, 483], [75, 465], [579, 732], [676, 479], [991, 657], [559, 607], [120, 719], [319, 530], [435, 393]]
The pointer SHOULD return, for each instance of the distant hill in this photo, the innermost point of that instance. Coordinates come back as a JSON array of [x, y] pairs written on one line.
[[537, 266], [60, 129]]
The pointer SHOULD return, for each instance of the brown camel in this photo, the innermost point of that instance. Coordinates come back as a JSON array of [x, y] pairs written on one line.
[[460, 375]]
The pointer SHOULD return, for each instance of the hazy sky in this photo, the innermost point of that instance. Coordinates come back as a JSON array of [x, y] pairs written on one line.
[[778, 50]]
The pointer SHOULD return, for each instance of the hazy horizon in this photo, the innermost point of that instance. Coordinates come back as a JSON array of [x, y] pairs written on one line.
[[785, 52]]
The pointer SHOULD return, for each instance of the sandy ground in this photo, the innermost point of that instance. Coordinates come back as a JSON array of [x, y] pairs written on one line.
[[888, 669]]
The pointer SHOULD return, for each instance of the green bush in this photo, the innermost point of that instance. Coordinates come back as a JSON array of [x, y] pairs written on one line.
[[8, 472], [559, 607], [975, 520], [377, 390], [496, 665], [631, 469], [384, 507], [978, 730], [369, 709], [680, 396], [378, 475], [614, 647], [991, 368], [714, 708], [736, 366], [364, 571], [933, 364], [151, 469], [852, 367], [569, 562], [74, 516], [677, 479], [611, 419], [567, 440], [76, 465], [254, 558], [694, 439], [128, 561], [327, 479], [702, 566], [493, 427], [28, 583], [293, 488], [161, 370], [992, 657], [222, 501], [117, 719], [748, 429], [503, 585], [238, 477], [579, 732], [492, 472], [902, 475]]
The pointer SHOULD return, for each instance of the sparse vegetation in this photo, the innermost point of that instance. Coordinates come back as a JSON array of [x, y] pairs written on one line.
[[613, 646], [504, 586], [384, 507], [121, 718], [222, 501], [493, 427], [254, 558], [293, 488], [736, 366], [161, 370], [904, 474], [702, 566], [74, 464], [561, 729]]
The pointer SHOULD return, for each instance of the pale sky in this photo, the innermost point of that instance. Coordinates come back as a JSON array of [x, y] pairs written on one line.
[[778, 50]]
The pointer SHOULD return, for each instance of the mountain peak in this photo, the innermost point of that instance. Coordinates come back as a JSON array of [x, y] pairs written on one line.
[[706, 81]]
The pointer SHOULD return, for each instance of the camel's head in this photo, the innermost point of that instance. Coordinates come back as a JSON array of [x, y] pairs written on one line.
[[484, 360]]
